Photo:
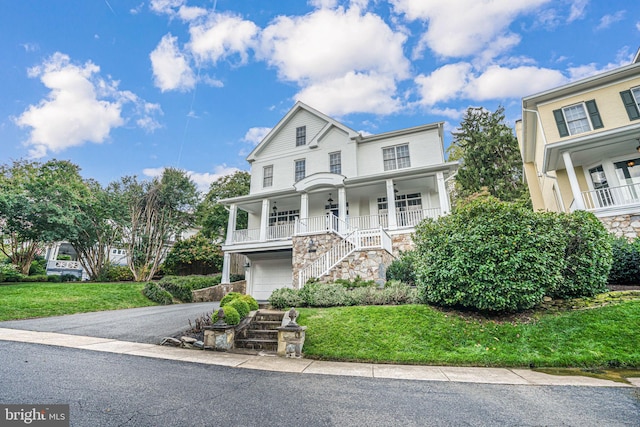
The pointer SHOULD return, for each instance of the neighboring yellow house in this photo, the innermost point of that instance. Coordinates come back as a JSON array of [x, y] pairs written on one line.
[[580, 145]]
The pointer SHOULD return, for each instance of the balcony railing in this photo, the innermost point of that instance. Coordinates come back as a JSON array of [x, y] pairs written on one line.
[[611, 197], [63, 265]]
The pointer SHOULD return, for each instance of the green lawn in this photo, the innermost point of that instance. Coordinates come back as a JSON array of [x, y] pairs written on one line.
[[418, 334], [28, 300]]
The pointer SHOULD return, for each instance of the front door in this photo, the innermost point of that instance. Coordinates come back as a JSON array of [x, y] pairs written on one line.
[[601, 186]]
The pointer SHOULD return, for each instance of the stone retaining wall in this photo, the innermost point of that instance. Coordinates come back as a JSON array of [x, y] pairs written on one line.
[[215, 293], [623, 225]]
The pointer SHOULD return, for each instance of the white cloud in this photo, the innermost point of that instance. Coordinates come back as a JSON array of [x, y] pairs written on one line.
[[458, 81], [136, 10], [459, 28], [171, 70], [577, 10], [255, 135], [189, 13], [353, 93], [30, 47], [607, 20], [202, 180], [167, 7], [220, 36], [72, 113], [80, 107], [321, 4]]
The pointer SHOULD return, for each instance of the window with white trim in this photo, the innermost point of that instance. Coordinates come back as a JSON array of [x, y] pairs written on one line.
[[267, 176], [301, 135], [300, 169], [335, 163], [578, 118], [396, 157]]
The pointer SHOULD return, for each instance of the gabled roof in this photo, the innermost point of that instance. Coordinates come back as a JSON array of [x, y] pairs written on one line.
[[294, 110]]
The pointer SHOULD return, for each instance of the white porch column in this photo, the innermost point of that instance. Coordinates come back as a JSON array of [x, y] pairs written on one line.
[[304, 212], [391, 205], [231, 223], [342, 206], [264, 220], [445, 206], [226, 268], [573, 181]]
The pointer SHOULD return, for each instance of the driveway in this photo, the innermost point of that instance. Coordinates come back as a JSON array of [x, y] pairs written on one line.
[[143, 325]]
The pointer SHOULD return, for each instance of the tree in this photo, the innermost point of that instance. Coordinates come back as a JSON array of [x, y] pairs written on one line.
[[38, 205], [157, 213], [489, 156], [96, 230], [195, 255], [212, 216]]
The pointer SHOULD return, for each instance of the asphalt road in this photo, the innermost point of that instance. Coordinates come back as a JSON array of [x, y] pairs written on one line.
[[144, 324], [107, 389]]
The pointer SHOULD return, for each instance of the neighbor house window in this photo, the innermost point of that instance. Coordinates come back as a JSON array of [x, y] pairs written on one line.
[[300, 169], [578, 118], [335, 163], [301, 135], [631, 101], [267, 176], [396, 157]]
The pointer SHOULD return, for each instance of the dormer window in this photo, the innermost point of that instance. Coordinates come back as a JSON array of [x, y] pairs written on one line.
[[301, 136], [578, 118]]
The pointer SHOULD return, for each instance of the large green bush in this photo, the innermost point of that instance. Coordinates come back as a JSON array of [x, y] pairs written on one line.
[[403, 268], [181, 286], [115, 273], [195, 255], [625, 268], [157, 294], [9, 273], [496, 256], [285, 298]]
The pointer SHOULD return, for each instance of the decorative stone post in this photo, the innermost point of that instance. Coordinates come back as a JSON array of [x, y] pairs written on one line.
[[291, 337], [219, 336]]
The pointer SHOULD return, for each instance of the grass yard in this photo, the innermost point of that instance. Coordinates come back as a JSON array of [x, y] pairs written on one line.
[[418, 334], [28, 300]]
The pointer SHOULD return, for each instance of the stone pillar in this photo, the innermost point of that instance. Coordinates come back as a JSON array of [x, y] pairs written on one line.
[[291, 337], [573, 181], [264, 220], [219, 337], [445, 206], [391, 205]]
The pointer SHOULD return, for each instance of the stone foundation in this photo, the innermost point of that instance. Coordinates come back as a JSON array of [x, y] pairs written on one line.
[[623, 225], [215, 293], [401, 243], [304, 254]]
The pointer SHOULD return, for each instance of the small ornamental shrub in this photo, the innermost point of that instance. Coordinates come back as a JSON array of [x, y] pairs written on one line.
[[285, 298], [69, 278], [396, 292], [229, 297], [54, 278], [231, 316], [156, 293], [251, 302], [40, 278], [358, 282], [625, 267], [115, 273], [403, 268], [9, 273], [241, 307], [181, 286], [38, 267], [325, 295]]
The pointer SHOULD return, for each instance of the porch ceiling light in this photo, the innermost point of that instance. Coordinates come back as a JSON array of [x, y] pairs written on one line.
[[638, 148], [330, 200], [275, 208]]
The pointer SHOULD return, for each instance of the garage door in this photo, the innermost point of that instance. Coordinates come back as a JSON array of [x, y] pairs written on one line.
[[268, 275]]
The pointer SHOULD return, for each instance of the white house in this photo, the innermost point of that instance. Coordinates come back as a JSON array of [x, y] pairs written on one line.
[[318, 205]]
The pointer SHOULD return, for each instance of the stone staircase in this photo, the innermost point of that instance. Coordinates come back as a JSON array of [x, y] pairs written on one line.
[[261, 333]]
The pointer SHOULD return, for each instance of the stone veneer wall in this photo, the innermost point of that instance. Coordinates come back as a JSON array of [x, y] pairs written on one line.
[[401, 243], [301, 255], [369, 265], [623, 225], [215, 293]]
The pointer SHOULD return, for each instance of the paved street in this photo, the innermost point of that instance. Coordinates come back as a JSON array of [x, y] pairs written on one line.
[[108, 389], [144, 324]]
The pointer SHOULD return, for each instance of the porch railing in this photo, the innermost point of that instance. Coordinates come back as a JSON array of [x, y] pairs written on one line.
[[611, 197], [63, 265], [412, 218]]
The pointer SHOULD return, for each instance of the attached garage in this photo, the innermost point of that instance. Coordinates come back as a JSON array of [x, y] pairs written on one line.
[[268, 272]]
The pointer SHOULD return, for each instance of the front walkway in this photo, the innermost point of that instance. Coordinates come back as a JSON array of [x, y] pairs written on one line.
[[305, 366]]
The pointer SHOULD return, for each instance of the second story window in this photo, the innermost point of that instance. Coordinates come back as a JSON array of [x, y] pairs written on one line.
[[267, 176], [335, 163], [631, 101], [301, 135], [578, 118], [300, 169], [396, 157]]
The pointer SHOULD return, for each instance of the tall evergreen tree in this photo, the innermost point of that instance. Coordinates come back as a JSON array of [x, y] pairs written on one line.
[[489, 155]]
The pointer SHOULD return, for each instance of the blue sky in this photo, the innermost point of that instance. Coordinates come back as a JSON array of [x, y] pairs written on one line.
[[127, 87]]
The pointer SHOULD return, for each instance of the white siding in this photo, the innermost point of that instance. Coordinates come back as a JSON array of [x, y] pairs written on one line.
[[424, 150]]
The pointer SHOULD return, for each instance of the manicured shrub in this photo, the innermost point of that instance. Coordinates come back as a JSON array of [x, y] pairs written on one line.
[[358, 282], [69, 278], [251, 302], [325, 295], [236, 278], [396, 292], [9, 273], [54, 278], [181, 286], [156, 293], [231, 315], [489, 256], [115, 273], [625, 268], [38, 267], [403, 268], [39, 278], [229, 297], [241, 307], [587, 256], [285, 298]]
